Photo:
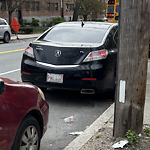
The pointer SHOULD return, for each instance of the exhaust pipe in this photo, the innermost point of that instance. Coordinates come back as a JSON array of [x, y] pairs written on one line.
[[87, 91]]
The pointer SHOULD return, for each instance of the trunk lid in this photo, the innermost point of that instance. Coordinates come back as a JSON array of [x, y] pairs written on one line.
[[59, 55]]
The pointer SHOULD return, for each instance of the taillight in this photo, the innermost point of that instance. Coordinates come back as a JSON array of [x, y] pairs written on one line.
[[29, 52], [96, 55]]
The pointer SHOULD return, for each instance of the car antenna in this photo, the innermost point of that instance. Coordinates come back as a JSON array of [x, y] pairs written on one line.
[[82, 24]]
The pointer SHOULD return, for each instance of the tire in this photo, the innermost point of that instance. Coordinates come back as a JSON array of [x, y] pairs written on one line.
[[25, 137], [6, 37]]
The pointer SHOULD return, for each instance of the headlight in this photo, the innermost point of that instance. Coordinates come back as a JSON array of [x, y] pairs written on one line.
[[41, 93]]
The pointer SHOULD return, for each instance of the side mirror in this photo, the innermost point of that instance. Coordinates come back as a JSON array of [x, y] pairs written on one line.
[[2, 86]]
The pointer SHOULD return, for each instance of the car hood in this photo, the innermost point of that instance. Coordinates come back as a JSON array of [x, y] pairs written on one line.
[[17, 84]]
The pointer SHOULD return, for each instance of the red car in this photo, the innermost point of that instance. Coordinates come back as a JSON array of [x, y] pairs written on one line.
[[23, 115]]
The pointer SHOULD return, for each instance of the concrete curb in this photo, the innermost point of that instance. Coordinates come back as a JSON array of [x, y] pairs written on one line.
[[78, 142], [24, 36]]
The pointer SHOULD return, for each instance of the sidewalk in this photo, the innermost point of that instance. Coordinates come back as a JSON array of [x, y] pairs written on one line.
[[24, 36], [99, 135]]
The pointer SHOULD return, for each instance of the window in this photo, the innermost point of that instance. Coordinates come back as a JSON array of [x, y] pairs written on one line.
[[74, 35], [52, 6], [32, 6], [69, 7], [116, 37], [112, 38], [2, 5], [110, 9], [117, 8], [2, 22]]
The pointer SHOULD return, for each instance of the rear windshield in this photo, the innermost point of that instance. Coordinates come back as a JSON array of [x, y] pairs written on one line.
[[74, 35]]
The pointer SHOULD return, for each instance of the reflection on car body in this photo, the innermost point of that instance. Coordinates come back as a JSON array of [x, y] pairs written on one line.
[[73, 56], [23, 115]]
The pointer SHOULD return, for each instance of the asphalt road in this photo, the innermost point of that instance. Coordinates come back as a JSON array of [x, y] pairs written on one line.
[[84, 108]]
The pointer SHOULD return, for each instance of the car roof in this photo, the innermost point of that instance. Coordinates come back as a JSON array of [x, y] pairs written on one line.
[[100, 25], [2, 19]]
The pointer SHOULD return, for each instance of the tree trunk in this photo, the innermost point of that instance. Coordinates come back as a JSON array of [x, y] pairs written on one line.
[[19, 11], [10, 16], [85, 17], [75, 15]]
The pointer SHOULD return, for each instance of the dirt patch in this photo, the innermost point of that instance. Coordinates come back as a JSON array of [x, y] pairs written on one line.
[[103, 140]]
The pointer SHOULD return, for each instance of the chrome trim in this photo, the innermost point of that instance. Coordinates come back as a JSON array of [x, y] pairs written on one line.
[[56, 66], [39, 48], [87, 91]]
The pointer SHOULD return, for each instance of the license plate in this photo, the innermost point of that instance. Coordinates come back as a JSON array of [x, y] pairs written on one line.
[[56, 78]]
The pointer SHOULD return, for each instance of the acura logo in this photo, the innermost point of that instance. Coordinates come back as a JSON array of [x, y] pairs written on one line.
[[57, 53]]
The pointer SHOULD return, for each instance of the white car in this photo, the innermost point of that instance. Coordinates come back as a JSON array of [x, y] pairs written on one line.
[[5, 31]]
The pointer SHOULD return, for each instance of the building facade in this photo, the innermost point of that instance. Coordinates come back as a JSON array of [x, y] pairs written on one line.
[[41, 9]]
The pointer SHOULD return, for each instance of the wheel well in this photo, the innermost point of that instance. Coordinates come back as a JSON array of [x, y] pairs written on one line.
[[38, 117], [6, 32]]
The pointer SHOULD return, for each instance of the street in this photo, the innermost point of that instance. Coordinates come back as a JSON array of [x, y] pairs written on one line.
[[84, 108]]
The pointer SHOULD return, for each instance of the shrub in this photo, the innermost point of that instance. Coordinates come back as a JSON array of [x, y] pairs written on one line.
[[131, 137], [98, 20], [57, 20], [49, 23], [26, 30], [23, 22], [147, 131], [43, 23], [35, 22]]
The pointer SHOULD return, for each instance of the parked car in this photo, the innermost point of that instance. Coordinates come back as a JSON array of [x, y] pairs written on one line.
[[73, 56], [5, 31], [23, 115]]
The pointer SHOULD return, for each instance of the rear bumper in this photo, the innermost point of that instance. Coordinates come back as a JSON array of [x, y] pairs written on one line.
[[73, 77]]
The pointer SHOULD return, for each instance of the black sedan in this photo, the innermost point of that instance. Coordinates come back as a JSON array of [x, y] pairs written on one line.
[[73, 56]]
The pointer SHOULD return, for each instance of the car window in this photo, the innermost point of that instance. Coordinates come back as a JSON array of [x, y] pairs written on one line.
[[75, 35], [116, 37], [111, 41], [2, 22]]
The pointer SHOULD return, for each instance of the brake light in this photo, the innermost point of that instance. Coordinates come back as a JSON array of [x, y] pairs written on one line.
[[29, 52], [92, 79], [96, 55], [111, 15], [25, 73]]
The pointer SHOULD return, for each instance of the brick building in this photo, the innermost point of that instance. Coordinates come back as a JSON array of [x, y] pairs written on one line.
[[41, 10]]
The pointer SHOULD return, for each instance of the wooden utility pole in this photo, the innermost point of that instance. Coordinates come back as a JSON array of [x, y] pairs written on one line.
[[132, 66]]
